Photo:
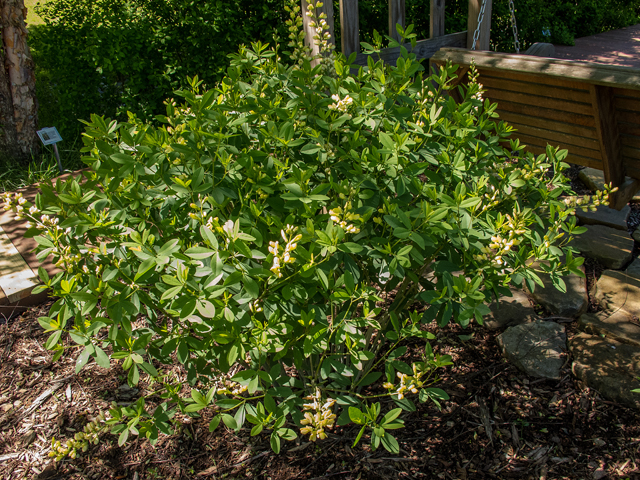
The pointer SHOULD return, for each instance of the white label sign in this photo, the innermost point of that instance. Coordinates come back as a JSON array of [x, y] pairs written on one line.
[[49, 135]]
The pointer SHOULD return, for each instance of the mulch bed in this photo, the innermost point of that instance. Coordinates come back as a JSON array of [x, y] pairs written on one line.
[[499, 423]]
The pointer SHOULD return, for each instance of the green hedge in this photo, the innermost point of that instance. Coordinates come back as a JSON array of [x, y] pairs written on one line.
[[114, 56]]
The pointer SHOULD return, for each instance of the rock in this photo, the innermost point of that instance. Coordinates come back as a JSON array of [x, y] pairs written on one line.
[[571, 303], [608, 366], [611, 247], [634, 268], [537, 348], [617, 290], [605, 216], [509, 311], [636, 235], [592, 178], [619, 326]]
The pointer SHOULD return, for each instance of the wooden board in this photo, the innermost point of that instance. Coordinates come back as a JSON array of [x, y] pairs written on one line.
[[16, 278], [566, 94], [568, 128], [396, 15], [542, 142], [541, 115], [423, 49], [590, 73], [534, 79], [502, 96], [436, 18], [349, 26], [562, 139]]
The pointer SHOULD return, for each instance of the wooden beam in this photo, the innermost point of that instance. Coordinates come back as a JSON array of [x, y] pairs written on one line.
[[349, 26], [485, 27], [424, 48], [604, 112], [327, 9], [567, 70], [436, 19], [396, 15]]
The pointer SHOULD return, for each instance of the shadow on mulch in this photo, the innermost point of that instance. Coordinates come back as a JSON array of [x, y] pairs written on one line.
[[499, 423]]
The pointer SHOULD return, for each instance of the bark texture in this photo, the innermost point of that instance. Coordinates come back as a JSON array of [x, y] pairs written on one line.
[[18, 106]]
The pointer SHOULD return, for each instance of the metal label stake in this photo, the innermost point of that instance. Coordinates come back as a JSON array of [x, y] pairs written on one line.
[[50, 136]]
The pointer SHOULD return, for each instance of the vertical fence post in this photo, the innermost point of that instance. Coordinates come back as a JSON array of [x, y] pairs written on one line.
[[472, 24], [350, 27], [310, 32], [396, 15], [436, 19]]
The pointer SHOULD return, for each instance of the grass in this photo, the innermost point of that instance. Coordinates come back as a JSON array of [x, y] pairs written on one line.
[[14, 175], [32, 17]]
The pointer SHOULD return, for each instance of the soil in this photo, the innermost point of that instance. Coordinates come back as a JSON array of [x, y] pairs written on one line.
[[499, 423]]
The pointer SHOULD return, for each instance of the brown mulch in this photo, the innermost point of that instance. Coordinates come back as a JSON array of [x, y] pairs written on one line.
[[499, 423]]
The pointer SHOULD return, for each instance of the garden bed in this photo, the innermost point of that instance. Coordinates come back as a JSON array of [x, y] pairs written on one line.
[[499, 423]]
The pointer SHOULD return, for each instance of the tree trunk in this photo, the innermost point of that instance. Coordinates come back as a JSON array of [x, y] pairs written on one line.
[[18, 106]]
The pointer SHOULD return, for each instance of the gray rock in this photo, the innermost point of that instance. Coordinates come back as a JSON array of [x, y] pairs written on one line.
[[608, 366], [618, 291], [592, 178], [611, 247], [634, 268], [508, 311], [636, 234], [537, 348], [619, 326], [571, 303], [125, 392], [605, 216]]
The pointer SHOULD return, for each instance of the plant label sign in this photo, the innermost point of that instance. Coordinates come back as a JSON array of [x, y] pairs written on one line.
[[49, 135]]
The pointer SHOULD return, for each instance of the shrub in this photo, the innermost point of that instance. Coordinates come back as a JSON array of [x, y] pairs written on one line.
[[284, 235]]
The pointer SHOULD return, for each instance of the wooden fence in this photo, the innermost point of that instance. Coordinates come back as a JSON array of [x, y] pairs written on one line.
[[350, 29]]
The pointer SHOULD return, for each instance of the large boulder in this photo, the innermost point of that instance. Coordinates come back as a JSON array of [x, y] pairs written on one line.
[[537, 348]]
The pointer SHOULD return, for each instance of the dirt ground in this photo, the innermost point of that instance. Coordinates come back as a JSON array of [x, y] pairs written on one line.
[[499, 423]]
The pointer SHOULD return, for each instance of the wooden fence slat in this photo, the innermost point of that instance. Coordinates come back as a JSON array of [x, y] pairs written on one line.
[[397, 14], [535, 141], [472, 24], [436, 18], [327, 9], [604, 112], [571, 158], [349, 26]]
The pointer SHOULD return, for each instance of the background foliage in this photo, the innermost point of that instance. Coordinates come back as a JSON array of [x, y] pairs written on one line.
[[116, 56]]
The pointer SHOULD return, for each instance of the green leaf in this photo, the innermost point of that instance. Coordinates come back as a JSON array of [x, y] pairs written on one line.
[[122, 439], [356, 416], [229, 421], [209, 237], [215, 422], [275, 442], [82, 359], [170, 293], [101, 358], [391, 415], [390, 443]]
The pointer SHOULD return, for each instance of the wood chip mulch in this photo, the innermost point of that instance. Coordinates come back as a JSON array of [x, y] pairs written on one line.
[[499, 424]]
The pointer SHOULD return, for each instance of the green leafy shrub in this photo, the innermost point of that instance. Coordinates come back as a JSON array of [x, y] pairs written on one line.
[[284, 235]]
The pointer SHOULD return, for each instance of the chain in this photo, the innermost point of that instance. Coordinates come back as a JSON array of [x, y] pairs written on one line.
[[514, 27], [476, 34]]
